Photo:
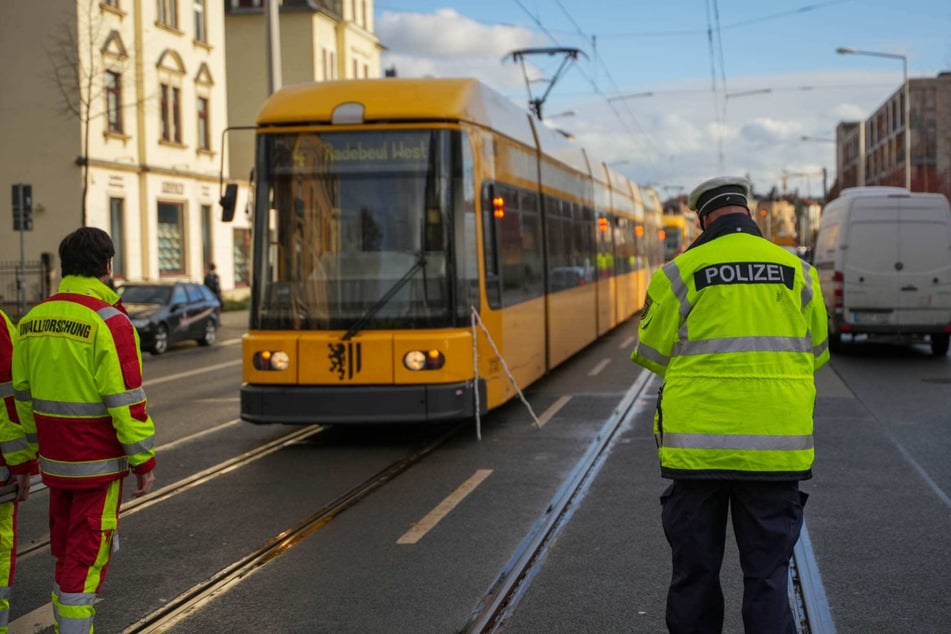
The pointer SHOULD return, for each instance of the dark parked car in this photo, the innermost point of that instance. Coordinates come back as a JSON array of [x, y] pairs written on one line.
[[168, 312]]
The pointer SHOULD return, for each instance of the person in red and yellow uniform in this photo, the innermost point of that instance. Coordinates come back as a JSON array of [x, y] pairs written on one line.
[[77, 379], [14, 482]]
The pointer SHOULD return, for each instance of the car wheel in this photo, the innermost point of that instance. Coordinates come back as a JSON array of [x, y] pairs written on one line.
[[939, 344], [160, 345], [208, 338]]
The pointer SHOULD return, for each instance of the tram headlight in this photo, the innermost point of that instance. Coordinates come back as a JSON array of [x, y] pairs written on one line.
[[417, 360], [271, 360]]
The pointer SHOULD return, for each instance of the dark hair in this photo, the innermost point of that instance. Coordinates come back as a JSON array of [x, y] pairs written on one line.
[[86, 252]]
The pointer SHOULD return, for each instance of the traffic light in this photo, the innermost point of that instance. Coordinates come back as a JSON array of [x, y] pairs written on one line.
[[22, 207]]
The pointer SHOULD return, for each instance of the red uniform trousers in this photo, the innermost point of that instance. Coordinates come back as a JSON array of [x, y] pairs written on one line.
[[83, 523]]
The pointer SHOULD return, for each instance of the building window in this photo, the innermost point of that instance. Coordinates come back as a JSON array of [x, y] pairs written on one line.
[[111, 3], [356, 69], [363, 13], [171, 114], [113, 102], [117, 231], [171, 239], [366, 71], [242, 257], [204, 132], [207, 225], [201, 29], [167, 11]]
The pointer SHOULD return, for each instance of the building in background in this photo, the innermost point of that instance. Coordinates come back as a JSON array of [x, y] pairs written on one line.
[[320, 40], [871, 152], [113, 112]]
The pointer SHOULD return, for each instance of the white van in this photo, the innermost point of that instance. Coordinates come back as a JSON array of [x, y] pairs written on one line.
[[884, 260]]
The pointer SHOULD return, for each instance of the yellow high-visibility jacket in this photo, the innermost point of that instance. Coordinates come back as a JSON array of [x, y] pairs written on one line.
[[77, 378], [737, 327], [13, 440]]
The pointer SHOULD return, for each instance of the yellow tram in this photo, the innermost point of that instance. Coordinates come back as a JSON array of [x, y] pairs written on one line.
[[395, 219]]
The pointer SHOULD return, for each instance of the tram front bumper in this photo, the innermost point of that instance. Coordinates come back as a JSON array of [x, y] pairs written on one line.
[[355, 404]]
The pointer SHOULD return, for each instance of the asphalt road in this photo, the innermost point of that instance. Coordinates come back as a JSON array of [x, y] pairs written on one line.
[[879, 515]]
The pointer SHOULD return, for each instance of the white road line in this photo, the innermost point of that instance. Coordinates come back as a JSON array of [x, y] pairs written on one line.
[[426, 524], [551, 411], [195, 436], [596, 370], [183, 375], [627, 343], [229, 342]]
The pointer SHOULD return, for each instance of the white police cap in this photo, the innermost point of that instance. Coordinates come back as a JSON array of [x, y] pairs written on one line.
[[719, 192]]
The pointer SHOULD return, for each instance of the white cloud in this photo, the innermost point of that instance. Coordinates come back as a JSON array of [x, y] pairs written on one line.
[[672, 137]]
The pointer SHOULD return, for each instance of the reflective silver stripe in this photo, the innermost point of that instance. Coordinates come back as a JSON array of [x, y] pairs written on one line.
[[83, 469], [4, 592], [819, 349], [31, 438], [650, 353], [74, 598], [109, 312], [64, 408], [67, 625], [679, 288], [738, 441], [17, 444], [125, 398], [6, 389], [743, 344], [138, 447], [4, 474], [806, 296], [22, 395]]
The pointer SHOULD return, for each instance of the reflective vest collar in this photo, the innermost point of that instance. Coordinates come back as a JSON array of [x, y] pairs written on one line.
[[728, 224], [91, 286]]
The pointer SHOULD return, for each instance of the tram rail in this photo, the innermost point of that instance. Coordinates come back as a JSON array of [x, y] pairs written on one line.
[[192, 600], [807, 597]]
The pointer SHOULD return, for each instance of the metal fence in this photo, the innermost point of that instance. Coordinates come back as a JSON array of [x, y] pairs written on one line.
[[21, 289]]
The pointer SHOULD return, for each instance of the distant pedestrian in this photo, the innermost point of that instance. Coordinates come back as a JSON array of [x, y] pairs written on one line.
[[13, 443], [213, 282], [77, 378], [737, 327]]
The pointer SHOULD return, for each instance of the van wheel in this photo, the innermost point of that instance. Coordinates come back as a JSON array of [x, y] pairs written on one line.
[[835, 342], [939, 344]]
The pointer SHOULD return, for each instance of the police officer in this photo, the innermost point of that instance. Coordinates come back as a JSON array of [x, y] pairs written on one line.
[[15, 480], [737, 328], [77, 378]]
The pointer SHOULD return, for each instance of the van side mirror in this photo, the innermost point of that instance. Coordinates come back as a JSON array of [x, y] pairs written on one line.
[[228, 202]]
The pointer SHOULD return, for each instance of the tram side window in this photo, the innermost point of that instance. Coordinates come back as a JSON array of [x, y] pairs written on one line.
[[623, 246], [493, 281], [582, 237], [605, 243]]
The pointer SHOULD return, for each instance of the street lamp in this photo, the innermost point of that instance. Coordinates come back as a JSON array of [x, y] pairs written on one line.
[[816, 138], [907, 122]]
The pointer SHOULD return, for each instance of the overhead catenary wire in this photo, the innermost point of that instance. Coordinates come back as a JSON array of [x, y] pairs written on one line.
[[593, 84]]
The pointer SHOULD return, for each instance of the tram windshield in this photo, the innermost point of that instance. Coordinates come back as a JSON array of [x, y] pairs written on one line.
[[346, 216]]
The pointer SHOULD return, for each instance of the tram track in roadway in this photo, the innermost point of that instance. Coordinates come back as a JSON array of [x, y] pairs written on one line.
[[806, 594], [179, 608]]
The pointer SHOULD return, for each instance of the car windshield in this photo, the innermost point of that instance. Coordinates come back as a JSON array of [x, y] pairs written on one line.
[[144, 294]]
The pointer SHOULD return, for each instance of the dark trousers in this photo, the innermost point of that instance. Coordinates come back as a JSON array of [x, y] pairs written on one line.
[[767, 518]]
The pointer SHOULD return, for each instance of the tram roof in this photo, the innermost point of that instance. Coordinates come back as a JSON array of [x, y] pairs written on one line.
[[399, 100]]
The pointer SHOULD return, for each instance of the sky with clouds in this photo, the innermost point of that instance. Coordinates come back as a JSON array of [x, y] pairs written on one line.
[[676, 91]]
